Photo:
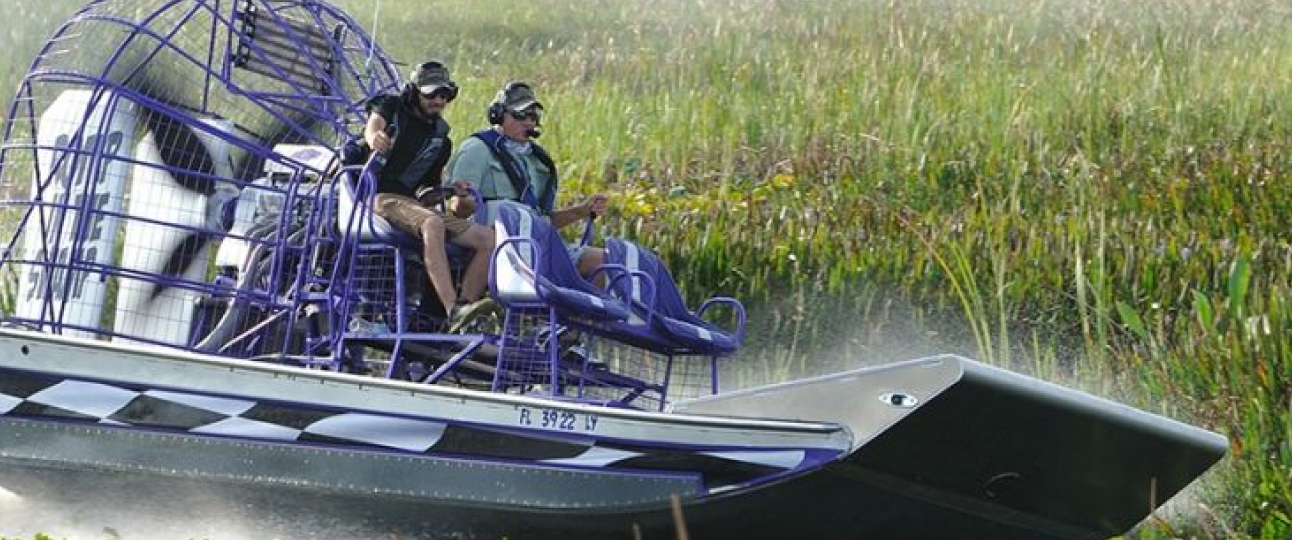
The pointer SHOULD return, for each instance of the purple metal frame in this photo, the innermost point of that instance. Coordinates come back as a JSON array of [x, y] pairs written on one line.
[[347, 286], [542, 364], [163, 36], [174, 69]]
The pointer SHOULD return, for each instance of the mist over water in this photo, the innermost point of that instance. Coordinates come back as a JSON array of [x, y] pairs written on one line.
[[64, 517], [805, 334], [122, 506]]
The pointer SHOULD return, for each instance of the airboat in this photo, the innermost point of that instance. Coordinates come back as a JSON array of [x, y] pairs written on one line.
[[202, 296]]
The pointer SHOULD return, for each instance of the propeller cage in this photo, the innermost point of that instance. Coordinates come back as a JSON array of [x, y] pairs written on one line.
[[137, 202], [298, 52]]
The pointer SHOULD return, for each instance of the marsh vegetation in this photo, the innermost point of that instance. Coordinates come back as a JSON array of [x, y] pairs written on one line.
[[1092, 191]]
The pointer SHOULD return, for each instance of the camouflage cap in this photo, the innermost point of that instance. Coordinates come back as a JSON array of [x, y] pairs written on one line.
[[517, 96], [430, 76]]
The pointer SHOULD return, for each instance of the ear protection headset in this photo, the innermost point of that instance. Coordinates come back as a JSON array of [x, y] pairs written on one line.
[[499, 105]]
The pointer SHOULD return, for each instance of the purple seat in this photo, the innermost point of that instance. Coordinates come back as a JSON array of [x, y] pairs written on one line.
[[356, 219], [372, 277], [354, 215], [548, 301], [531, 266], [660, 319]]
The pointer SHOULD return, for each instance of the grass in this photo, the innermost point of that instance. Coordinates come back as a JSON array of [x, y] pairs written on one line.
[[1095, 190], [1092, 191]]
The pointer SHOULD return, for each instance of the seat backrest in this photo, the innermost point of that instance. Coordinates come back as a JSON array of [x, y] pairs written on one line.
[[354, 188], [531, 255], [664, 306], [521, 244], [667, 300]]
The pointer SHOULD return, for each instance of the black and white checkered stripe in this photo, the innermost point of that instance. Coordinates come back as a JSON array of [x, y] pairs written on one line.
[[31, 395]]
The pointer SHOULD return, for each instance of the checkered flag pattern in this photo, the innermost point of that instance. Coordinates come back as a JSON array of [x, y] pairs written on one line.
[[29, 395], [108, 404]]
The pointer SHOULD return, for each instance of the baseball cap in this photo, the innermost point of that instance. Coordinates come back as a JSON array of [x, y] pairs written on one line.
[[431, 76], [517, 96]]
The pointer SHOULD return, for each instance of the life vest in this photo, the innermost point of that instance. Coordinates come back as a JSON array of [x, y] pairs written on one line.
[[516, 172], [433, 152]]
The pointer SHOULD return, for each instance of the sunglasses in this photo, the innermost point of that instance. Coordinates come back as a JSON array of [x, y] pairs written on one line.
[[446, 92], [527, 114]]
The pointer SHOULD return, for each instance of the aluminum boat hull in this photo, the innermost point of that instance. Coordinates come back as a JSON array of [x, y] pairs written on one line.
[[937, 447]]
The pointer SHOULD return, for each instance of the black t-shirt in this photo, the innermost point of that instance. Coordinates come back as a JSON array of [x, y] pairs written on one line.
[[421, 147]]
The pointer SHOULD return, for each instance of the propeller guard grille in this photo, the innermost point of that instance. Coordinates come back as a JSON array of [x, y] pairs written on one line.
[[135, 202]]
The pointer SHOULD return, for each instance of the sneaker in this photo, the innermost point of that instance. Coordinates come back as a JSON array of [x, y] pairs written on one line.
[[356, 368], [479, 316], [577, 355], [566, 337]]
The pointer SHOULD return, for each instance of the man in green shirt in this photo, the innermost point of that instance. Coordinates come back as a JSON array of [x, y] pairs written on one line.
[[505, 163]]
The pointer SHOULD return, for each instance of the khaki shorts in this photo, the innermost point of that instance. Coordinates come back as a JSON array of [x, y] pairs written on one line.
[[406, 214]]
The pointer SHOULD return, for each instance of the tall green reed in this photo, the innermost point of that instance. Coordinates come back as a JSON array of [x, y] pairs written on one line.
[[1079, 184]]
